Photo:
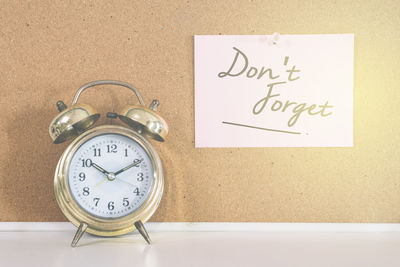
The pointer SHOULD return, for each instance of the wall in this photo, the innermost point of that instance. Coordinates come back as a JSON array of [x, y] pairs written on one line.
[[50, 48]]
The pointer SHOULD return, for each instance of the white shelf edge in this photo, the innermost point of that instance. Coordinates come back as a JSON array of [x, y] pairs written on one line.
[[216, 227]]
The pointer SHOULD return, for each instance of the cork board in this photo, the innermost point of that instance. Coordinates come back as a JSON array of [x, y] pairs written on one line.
[[48, 50]]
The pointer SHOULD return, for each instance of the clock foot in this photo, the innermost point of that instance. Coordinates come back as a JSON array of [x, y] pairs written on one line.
[[82, 228], [140, 227]]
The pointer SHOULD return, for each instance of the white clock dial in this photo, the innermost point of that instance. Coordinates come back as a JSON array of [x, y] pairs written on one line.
[[110, 175]]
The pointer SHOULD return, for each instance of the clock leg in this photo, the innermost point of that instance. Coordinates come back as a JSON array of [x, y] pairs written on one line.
[[79, 233], [140, 227]]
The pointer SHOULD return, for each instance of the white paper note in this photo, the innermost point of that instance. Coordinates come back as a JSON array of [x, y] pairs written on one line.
[[261, 91]]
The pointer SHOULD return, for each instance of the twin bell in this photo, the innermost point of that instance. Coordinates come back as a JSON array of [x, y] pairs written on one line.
[[76, 119]]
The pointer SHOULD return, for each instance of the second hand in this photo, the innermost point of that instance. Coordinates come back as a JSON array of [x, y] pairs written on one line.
[[113, 175]]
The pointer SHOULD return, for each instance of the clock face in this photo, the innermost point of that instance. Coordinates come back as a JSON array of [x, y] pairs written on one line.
[[110, 175]]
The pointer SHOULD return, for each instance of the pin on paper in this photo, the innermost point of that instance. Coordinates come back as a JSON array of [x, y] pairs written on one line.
[[275, 37], [271, 39]]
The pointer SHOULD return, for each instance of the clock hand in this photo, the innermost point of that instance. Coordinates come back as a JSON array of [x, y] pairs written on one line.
[[102, 182], [109, 176], [121, 180], [100, 169], [134, 164]]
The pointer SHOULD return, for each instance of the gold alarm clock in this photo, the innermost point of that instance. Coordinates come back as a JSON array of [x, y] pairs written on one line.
[[109, 180]]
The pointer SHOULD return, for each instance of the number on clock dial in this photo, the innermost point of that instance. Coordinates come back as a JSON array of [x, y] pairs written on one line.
[[123, 193]]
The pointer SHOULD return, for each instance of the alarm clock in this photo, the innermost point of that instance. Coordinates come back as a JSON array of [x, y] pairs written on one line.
[[109, 180]]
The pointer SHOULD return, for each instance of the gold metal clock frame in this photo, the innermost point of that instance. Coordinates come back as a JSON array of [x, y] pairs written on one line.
[[96, 225], [74, 122]]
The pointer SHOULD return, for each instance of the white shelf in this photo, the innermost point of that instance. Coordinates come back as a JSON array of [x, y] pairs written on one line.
[[205, 244]]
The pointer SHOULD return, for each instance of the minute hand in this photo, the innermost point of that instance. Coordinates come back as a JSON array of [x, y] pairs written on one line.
[[128, 167]]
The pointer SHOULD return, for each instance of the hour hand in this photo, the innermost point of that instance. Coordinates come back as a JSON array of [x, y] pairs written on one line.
[[134, 164], [100, 169]]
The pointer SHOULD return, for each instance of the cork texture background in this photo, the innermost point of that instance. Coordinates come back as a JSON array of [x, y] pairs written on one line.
[[48, 49]]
